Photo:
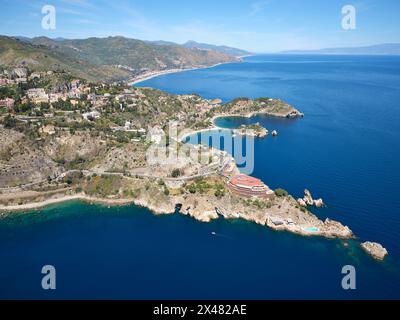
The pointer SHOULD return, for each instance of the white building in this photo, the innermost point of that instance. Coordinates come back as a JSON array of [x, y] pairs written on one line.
[[90, 116], [128, 125], [35, 75], [54, 97], [36, 93], [156, 134], [20, 72]]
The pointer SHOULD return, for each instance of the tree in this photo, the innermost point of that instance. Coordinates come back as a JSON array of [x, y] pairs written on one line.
[[9, 122], [281, 192], [219, 193], [166, 191], [192, 189], [176, 173]]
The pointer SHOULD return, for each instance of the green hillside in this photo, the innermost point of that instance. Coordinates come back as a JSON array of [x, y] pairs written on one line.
[[133, 53], [40, 58], [113, 58]]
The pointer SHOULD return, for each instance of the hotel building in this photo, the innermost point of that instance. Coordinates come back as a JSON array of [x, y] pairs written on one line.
[[247, 186]]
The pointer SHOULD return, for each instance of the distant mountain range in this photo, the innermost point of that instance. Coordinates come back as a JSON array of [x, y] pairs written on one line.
[[204, 46], [380, 49], [223, 49], [112, 58]]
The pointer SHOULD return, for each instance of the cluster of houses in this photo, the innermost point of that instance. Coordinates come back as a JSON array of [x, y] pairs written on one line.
[[20, 75], [74, 93], [73, 90], [155, 134]]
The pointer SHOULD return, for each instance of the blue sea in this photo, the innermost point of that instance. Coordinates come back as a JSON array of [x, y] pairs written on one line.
[[345, 150]]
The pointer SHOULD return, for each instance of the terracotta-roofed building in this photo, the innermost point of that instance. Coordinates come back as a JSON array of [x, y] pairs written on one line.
[[215, 102], [246, 186]]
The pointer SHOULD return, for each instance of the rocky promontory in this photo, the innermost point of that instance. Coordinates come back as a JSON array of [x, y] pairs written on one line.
[[254, 130], [245, 107]]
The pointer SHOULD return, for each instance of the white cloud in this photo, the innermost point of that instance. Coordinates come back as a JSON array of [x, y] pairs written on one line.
[[258, 6]]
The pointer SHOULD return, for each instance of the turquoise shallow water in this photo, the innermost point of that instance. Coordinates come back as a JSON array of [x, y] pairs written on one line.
[[345, 150]]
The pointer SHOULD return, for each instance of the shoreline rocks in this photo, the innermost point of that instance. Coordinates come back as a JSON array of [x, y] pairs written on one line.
[[309, 201], [308, 198], [301, 202], [374, 249], [319, 203], [336, 229], [255, 130]]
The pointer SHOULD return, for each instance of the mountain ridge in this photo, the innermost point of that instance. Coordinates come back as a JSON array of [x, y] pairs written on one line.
[[191, 44], [223, 49], [108, 59]]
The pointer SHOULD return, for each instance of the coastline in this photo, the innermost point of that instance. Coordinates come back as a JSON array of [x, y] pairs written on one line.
[[312, 226], [214, 127], [65, 198], [328, 229], [282, 215], [83, 197], [155, 74], [204, 211]]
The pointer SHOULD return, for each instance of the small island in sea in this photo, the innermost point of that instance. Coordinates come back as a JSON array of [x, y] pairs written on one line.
[[91, 141]]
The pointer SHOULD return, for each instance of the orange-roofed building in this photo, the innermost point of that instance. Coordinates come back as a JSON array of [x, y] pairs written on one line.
[[246, 186]]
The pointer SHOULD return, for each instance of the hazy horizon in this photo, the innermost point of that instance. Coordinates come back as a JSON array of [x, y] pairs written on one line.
[[215, 44]]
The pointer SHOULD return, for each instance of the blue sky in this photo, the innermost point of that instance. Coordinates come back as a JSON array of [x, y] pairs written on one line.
[[255, 25]]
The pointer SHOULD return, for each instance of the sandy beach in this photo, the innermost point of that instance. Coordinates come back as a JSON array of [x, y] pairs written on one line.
[[65, 198], [214, 127], [154, 74]]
